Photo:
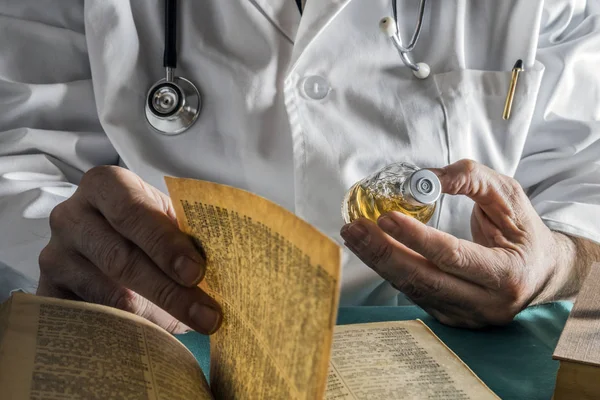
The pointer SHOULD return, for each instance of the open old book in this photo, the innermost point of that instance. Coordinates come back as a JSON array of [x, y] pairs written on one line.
[[277, 279]]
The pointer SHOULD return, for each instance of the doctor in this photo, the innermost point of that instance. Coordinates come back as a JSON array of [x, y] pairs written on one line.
[[297, 107]]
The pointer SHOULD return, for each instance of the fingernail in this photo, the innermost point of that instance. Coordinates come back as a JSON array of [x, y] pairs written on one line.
[[189, 271], [356, 234], [387, 224], [205, 319]]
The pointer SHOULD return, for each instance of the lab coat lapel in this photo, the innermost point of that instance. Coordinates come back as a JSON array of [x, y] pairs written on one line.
[[283, 14], [317, 15]]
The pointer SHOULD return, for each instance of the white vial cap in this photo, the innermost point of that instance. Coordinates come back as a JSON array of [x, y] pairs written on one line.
[[424, 186]]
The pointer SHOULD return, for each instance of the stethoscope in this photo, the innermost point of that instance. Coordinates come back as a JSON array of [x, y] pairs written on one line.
[[389, 26], [174, 103]]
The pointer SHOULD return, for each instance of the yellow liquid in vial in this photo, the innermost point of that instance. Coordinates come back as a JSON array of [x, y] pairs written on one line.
[[366, 203]]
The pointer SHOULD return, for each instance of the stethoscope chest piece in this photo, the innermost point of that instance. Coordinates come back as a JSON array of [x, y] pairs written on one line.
[[173, 105]]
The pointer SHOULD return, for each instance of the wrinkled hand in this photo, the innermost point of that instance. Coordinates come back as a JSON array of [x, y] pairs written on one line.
[[116, 242], [463, 283]]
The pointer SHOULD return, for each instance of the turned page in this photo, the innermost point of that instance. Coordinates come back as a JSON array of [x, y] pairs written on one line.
[[276, 278], [58, 349], [398, 360]]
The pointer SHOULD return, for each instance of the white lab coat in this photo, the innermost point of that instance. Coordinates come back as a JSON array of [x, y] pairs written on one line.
[[74, 77]]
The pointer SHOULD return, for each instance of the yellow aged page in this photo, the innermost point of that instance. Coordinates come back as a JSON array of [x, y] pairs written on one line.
[[56, 350], [398, 360], [277, 280]]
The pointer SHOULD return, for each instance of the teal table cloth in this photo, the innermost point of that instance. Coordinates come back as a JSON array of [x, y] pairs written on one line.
[[515, 361]]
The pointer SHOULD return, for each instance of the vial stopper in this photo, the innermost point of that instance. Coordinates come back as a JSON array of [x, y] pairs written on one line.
[[424, 187]]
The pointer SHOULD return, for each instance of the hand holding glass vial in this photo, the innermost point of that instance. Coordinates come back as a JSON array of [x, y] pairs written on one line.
[[398, 187]]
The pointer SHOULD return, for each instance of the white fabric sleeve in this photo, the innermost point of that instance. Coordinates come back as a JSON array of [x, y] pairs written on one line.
[[49, 129], [560, 165]]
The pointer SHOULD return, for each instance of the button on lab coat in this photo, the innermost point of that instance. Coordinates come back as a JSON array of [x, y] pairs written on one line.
[[298, 109]]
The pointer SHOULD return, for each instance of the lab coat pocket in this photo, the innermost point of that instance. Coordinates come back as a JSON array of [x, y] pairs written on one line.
[[473, 103]]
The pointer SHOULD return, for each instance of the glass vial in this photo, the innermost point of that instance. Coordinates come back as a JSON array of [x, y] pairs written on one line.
[[398, 187]]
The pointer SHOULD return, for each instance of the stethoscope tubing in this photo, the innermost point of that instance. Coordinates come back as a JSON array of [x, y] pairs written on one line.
[[173, 104], [416, 32]]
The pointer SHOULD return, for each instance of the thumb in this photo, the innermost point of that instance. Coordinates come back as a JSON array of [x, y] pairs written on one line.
[[500, 197]]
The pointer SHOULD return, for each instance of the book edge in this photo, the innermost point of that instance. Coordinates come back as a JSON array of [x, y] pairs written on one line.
[[458, 358], [560, 348]]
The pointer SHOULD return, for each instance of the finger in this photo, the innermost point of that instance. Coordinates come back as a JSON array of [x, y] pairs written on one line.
[[87, 283], [51, 266], [499, 196], [409, 272], [477, 229], [47, 289], [461, 258], [484, 231], [90, 284], [461, 307], [146, 217], [130, 267]]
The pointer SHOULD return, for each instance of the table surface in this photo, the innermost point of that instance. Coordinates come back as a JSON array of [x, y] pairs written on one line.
[[515, 361]]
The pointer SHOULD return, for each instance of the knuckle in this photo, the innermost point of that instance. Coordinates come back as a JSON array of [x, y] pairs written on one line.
[[97, 291], [174, 326], [54, 267], [128, 214], [108, 183], [452, 258], [98, 174], [158, 242], [166, 296], [123, 299], [381, 255], [432, 287], [502, 314], [512, 190], [468, 166], [412, 291], [90, 237], [119, 260], [478, 316], [514, 291], [513, 185], [47, 259], [410, 286], [58, 217], [142, 307]]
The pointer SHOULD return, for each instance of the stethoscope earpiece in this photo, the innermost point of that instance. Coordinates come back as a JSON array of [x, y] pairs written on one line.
[[173, 104], [389, 26], [423, 70]]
